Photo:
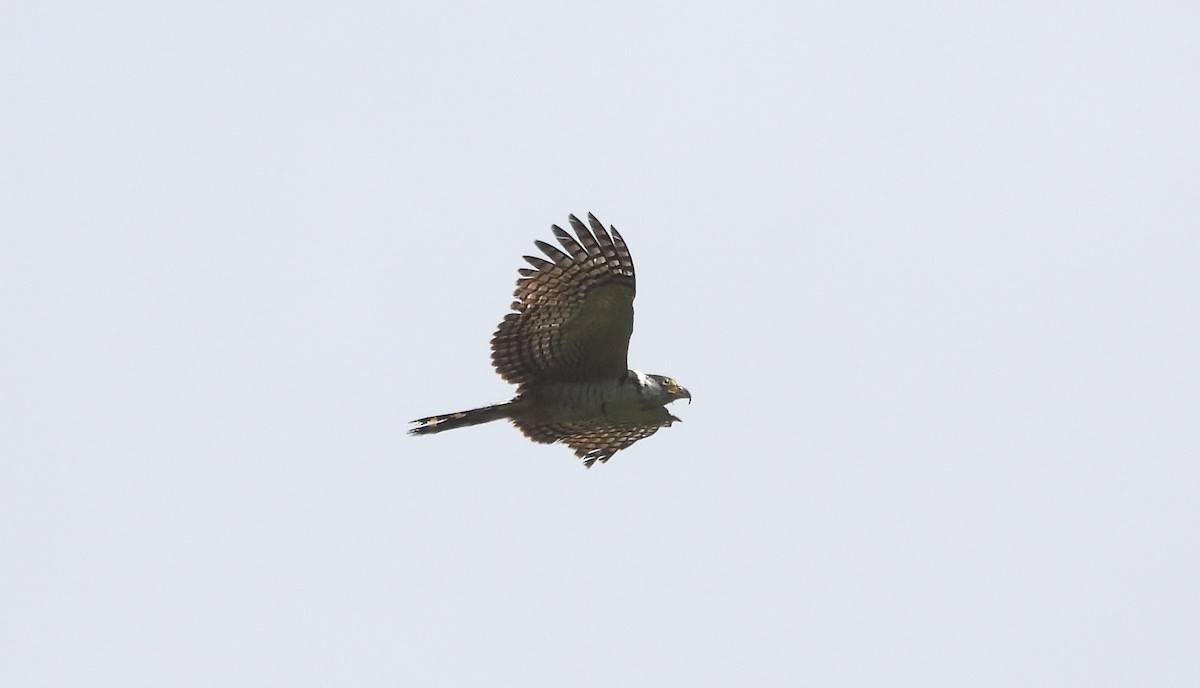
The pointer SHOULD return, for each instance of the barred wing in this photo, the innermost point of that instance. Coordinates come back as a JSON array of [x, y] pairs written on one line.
[[595, 440], [574, 312]]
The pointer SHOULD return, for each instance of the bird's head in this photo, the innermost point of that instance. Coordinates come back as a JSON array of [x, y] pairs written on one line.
[[665, 388]]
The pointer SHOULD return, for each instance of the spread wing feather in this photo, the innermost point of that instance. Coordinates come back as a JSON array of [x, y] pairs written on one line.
[[574, 312], [596, 440]]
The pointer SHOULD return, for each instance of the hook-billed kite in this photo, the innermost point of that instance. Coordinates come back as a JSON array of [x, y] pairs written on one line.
[[565, 347]]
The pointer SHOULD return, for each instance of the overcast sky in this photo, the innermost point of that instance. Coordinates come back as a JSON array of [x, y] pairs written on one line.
[[929, 272]]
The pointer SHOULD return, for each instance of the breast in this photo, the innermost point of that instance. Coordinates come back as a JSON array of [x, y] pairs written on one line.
[[582, 401]]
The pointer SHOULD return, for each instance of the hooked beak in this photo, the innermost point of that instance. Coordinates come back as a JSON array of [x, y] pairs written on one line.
[[682, 393]]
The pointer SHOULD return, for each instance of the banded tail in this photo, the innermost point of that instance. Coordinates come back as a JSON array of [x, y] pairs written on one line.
[[451, 421]]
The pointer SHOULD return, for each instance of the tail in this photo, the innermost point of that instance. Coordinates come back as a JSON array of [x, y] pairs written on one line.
[[451, 421]]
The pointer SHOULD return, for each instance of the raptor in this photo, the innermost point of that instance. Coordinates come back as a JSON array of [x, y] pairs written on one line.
[[565, 345]]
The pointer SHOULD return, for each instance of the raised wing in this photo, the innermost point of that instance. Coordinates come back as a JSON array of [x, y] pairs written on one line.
[[574, 312]]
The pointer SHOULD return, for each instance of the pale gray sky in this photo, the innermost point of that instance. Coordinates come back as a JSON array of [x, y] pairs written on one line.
[[929, 271]]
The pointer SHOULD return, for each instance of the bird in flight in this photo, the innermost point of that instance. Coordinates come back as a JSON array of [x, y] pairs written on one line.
[[565, 346]]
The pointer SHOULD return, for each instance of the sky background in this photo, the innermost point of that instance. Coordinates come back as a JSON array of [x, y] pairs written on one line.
[[929, 271]]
